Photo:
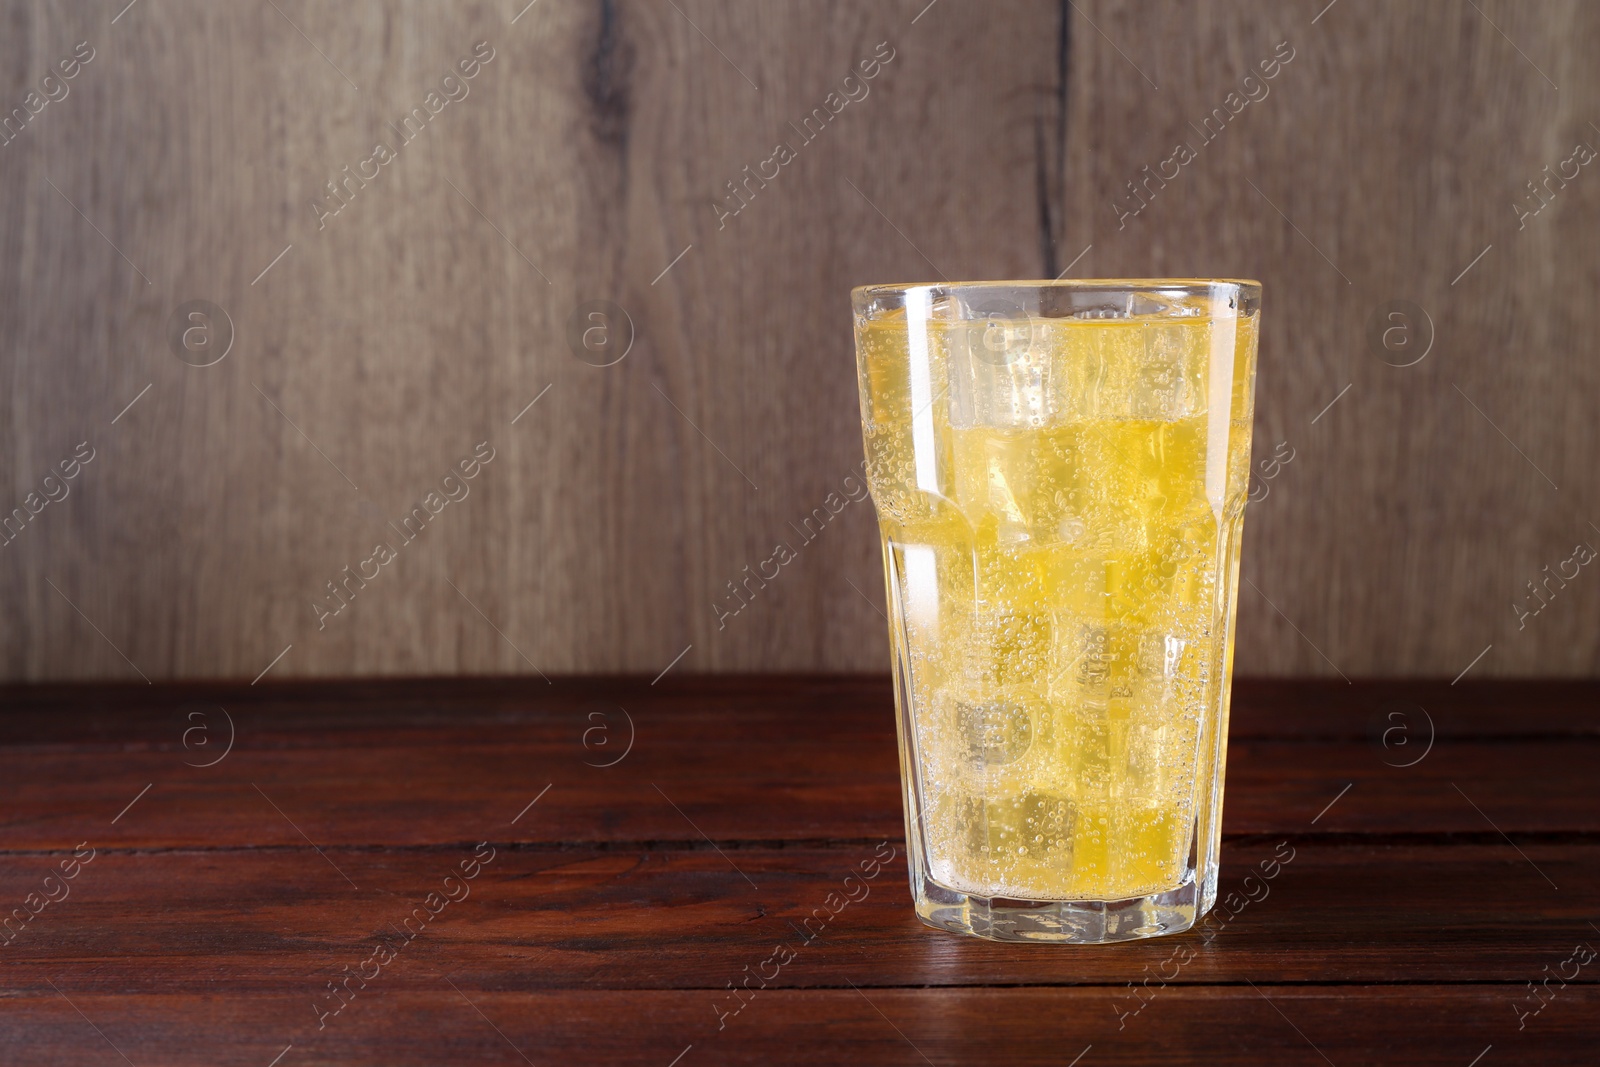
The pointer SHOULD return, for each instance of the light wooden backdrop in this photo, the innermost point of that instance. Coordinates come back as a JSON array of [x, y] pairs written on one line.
[[583, 164]]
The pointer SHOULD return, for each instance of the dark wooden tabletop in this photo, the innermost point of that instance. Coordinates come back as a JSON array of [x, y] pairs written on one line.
[[500, 872]]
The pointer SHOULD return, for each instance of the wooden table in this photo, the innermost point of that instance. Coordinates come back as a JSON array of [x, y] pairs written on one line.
[[1436, 850]]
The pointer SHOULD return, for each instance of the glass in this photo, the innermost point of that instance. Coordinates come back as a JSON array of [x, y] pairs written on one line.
[[1060, 474]]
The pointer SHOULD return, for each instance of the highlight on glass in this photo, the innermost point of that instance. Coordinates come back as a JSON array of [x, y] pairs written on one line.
[[1060, 472]]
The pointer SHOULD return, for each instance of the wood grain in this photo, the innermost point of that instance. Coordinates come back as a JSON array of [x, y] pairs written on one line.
[[1220, 1025], [1384, 157], [585, 159], [216, 909], [419, 765], [166, 921], [87, 714]]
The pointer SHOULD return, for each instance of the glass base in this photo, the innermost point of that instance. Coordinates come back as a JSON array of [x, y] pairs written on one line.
[[1075, 922]]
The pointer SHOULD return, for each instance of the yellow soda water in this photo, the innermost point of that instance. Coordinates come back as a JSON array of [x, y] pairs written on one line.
[[1060, 503]]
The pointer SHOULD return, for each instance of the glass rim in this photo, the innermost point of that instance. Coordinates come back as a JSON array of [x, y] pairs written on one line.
[[866, 292]]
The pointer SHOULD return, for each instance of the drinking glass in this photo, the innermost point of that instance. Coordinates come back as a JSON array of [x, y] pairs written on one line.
[[1060, 475]]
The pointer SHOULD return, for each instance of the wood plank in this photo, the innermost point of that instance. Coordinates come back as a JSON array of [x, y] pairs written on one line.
[[820, 755], [1263, 708], [1387, 154], [391, 339], [1435, 1026], [443, 792], [1414, 709], [1389, 918], [423, 318], [287, 919]]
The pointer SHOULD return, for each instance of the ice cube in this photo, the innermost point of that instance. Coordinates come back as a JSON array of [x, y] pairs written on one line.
[[1159, 655], [1168, 376], [1004, 371], [995, 732]]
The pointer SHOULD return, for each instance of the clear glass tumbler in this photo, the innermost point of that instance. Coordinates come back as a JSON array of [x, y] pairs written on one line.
[[1060, 475]]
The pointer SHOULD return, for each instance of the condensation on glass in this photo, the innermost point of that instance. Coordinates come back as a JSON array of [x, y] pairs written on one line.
[[1060, 475]]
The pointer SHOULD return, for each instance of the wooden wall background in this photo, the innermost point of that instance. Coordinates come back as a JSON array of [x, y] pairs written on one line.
[[378, 350]]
